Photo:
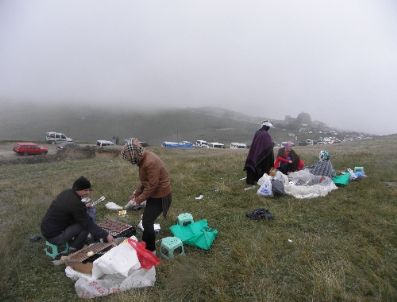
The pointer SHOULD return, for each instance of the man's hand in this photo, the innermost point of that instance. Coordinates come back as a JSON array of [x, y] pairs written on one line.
[[109, 238], [132, 196], [132, 199]]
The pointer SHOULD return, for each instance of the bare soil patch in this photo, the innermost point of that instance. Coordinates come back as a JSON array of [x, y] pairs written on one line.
[[8, 156]]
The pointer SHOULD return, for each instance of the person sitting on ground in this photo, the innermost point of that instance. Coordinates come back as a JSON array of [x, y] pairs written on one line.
[[67, 221], [324, 166], [287, 160], [154, 187]]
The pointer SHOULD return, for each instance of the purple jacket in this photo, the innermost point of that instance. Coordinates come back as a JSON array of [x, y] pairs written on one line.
[[261, 147]]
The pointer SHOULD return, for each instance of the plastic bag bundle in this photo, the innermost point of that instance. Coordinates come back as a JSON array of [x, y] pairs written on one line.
[[342, 179], [353, 175], [266, 186], [304, 178], [146, 258], [197, 234], [117, 270], [310, 191], [277, 187]]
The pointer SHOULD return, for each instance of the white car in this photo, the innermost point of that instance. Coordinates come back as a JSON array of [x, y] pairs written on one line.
[[216, 145], [103, 143], [201, 144], [238, 146], [53, 137]]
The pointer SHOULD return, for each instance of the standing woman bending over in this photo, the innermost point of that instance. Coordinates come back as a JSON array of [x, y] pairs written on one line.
[[154, 187]]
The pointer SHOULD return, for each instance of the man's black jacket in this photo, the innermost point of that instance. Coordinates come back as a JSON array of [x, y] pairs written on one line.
[[67, 209]]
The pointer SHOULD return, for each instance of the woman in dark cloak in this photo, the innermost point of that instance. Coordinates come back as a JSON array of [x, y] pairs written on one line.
[[260, 157]]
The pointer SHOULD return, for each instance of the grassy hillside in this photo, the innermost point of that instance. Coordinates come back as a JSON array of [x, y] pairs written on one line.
[[344, 245], [87, 124]]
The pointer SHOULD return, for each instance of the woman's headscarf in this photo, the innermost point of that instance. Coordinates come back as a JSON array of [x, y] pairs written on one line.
[[288, 146], [324, 155], [132, 151]]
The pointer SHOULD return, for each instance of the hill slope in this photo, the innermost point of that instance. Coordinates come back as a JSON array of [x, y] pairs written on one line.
[[87, 124]]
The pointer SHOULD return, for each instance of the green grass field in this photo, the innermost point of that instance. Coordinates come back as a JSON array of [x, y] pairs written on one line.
[[344, 245]]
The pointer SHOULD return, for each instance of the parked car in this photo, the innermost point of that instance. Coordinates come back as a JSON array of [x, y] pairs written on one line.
[[103, 143], [238, 146], [29, 149], [67, 145], [200, 143], [53, 137], [177, 145], [216, 145]]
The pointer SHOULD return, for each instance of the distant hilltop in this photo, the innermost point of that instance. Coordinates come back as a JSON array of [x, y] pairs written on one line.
[[88, 124]]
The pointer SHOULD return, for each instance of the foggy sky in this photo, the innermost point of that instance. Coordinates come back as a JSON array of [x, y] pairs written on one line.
[[336, 59]]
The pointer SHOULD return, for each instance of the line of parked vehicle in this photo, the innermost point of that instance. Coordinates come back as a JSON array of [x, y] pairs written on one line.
[[63, 142], [202, 144]]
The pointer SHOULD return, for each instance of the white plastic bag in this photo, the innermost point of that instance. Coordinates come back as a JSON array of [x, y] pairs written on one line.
[[118, 270], [266, 186], [118, 261], [353, 176], [75, 275], [310, 191], [109, 284], [113, 206]]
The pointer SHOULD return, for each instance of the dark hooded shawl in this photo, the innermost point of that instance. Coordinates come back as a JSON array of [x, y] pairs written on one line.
[[260, 157]]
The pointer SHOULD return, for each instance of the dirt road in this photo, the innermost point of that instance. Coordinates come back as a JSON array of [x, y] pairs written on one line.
[[6, 152]]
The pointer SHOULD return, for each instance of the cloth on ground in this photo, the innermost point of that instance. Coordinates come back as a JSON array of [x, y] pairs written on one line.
[[259, 214], [303, 184], [197, 234]]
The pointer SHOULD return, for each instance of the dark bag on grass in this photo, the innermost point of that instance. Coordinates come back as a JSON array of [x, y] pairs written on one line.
[[277, 187], [259, 214]]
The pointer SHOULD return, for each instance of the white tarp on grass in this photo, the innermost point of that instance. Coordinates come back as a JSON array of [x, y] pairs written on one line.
[[303, 184]]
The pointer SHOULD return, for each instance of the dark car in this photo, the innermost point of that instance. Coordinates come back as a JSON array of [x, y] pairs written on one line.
[[29, 149]]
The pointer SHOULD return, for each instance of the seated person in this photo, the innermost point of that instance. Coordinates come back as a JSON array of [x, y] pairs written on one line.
[[67, 220], [324, 166], [287, 160]]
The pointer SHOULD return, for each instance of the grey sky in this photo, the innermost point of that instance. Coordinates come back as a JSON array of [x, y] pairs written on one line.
[[336, 59]]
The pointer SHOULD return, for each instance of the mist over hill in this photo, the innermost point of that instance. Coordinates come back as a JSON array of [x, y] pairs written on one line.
[[87, 124]]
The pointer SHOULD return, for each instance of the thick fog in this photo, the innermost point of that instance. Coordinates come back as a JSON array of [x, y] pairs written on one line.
[[336, 59]]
